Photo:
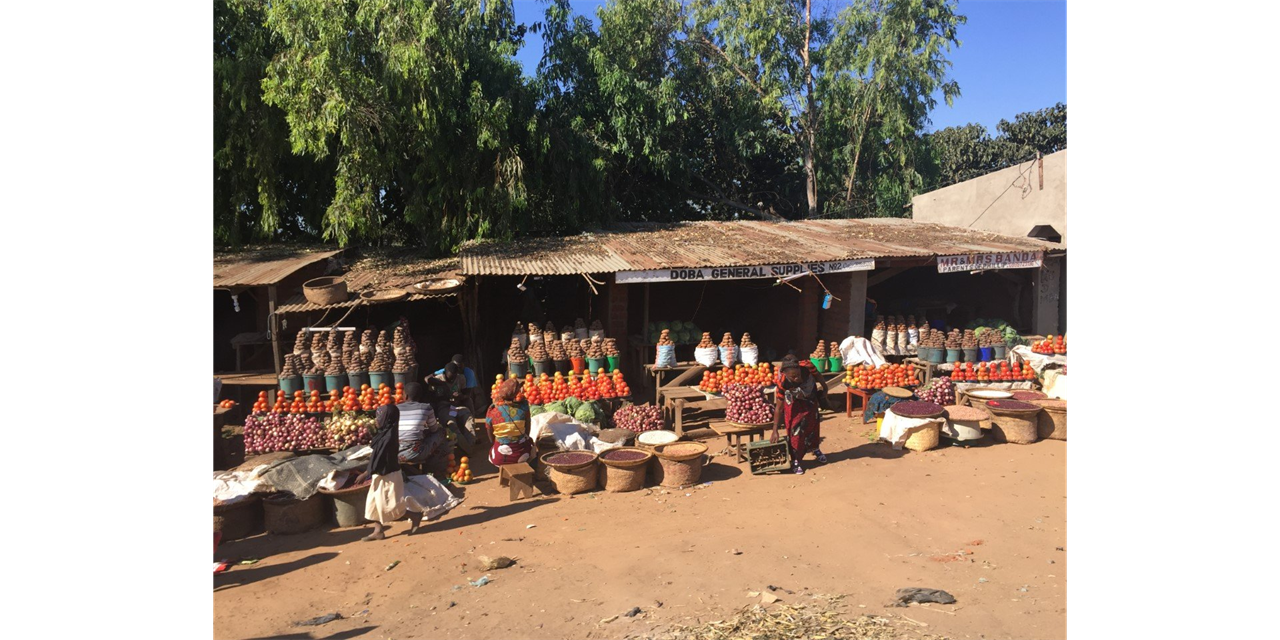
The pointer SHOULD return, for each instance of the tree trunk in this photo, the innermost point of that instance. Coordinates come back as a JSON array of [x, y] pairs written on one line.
[[811, 121]]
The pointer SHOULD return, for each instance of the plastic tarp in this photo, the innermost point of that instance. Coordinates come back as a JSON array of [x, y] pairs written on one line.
[[233, 486], [569, 434], [301, 476], [1055, 385]]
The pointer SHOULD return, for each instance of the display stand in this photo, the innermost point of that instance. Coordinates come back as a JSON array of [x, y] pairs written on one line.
[[733, 432]]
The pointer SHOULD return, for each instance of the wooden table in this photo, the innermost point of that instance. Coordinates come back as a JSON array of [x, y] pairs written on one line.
[[677, 399], [658, 372], [733, 432], [849, 393]]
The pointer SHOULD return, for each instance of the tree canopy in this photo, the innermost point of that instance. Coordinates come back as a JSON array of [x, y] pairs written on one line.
[[410, 121], [961, 153]]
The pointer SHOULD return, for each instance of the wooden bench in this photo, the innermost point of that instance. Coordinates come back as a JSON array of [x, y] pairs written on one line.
[[733, 432]]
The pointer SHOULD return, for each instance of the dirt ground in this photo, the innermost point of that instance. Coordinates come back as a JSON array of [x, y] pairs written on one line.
[[987, 524]]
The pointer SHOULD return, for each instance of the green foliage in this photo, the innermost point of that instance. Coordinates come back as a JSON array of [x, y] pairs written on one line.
[[410, 122], [961, 153]]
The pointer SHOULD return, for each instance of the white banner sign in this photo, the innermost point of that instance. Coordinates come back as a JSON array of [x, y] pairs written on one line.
[[743, 273], [986, 261]]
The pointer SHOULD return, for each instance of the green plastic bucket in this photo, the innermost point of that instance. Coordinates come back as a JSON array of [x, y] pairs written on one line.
[[401, 378], [937, 355], [820, 364], [379, 378], [834, 364], [313, 382], [335, 383], [596, 364], [357, 380], [615, 363], [291, 385], [954, 355]]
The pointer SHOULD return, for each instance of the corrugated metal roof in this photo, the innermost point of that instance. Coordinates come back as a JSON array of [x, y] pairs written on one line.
[[382, 270], [262, 267], [639, 247]]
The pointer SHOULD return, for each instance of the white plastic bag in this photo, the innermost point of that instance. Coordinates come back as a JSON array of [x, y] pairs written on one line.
[[750, 355], [729, 356], [706, 357], [666, 356]]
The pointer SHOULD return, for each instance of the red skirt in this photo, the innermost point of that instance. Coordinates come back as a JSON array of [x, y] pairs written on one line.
[[801, 420], [511, 453]]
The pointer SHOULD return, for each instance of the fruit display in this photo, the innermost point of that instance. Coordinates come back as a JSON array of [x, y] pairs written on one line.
[[268, 432], [716, 381], [820, 351], [547, 388], [681, 333], [886, 375], [1051, 346], [1000, 371], [227, 404], [748, 404], [939, 390], [462, 474], [363, 399], [638, 418]]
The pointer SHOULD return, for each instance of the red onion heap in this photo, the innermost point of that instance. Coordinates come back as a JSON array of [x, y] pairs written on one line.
[[638, 418], [747, 404]]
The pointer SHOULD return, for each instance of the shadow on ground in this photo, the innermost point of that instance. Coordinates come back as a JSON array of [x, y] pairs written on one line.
[[341, 635], [240, 576]]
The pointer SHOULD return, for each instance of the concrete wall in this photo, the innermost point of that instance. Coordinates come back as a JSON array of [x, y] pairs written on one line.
[[1014, 213]]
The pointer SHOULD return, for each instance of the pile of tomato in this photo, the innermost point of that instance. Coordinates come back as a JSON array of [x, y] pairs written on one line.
[[716, 381], [228, 404], [993, 372], [546, 388], [365, 399], [1051, 346]]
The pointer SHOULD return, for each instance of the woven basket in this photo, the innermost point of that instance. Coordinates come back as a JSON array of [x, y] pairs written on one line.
[[571, 479], [621, 476], [624, 436], [238, 519], [924, 438], [1017, 427], [1052, 423], [680, 468], [285, 514], [325, 291]]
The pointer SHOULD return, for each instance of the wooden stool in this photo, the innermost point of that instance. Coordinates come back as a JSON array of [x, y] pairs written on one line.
[[519, 477], [849, 393], [733, 432]]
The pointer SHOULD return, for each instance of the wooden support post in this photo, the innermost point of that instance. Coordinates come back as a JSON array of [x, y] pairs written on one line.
[[273, 325], [857, 303]]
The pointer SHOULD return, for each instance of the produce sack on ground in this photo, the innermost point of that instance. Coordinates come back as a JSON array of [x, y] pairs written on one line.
[[569, 434], [904, 343], [706, 356], [750, 355], [895, 429]]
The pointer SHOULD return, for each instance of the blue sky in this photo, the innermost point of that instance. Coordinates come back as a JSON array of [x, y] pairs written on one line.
[[1012, 58]]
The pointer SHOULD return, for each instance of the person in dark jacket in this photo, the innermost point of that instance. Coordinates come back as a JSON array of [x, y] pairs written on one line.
[[392, 494]]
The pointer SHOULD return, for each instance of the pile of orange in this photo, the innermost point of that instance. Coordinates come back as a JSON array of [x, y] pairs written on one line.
[[462, 472], [886, 375], [227, 404]]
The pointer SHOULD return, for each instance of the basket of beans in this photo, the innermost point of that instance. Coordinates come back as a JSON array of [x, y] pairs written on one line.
[[572, 471], [624, 469], [1014, 421]]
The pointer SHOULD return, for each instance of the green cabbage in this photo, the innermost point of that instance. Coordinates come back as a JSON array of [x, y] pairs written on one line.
[[571, 405], [535, 409], [587, 412], [557, 407]]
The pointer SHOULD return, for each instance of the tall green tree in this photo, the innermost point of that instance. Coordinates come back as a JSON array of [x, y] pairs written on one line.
[[956, 154]]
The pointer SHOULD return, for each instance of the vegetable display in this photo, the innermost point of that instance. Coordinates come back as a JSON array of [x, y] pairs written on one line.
[[886, 375], [706, 342], [715, 381], [999, 328], [268, 432], [682, 333], [1000, 371], [834, 352], [1012, 405], [462, 472], [515, 353], [747, 404], [638, 418], [349, 399], [349, 429], [383, 357], [404, 351], [290, 368], [820, 351], [1051, 346], [939, 390], [227, 404], [546, 388]]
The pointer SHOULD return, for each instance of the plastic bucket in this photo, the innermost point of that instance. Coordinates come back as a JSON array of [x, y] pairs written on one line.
[[596, 364], [579, 364], [999, 352], [348, 506], [988, 353], [401, 378], [335, 383], [542, 367], [313, 382], [820, 364], [954, 355], [615, 363], [379, 378], [970, 355], [291, 385], [834, 364], [358, 380], [514, 369], [562, 366]]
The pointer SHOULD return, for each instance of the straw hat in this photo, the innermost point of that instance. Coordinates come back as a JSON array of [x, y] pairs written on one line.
[[897, 392]]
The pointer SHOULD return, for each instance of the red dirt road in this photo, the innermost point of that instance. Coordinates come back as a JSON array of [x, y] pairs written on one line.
[[982, 523]]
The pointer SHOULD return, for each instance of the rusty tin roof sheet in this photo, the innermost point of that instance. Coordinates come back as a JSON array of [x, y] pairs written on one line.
[[263, 266]]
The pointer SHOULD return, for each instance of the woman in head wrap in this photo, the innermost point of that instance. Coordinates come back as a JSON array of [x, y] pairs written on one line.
[[508, 424], [392, 494], [796, 406]]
